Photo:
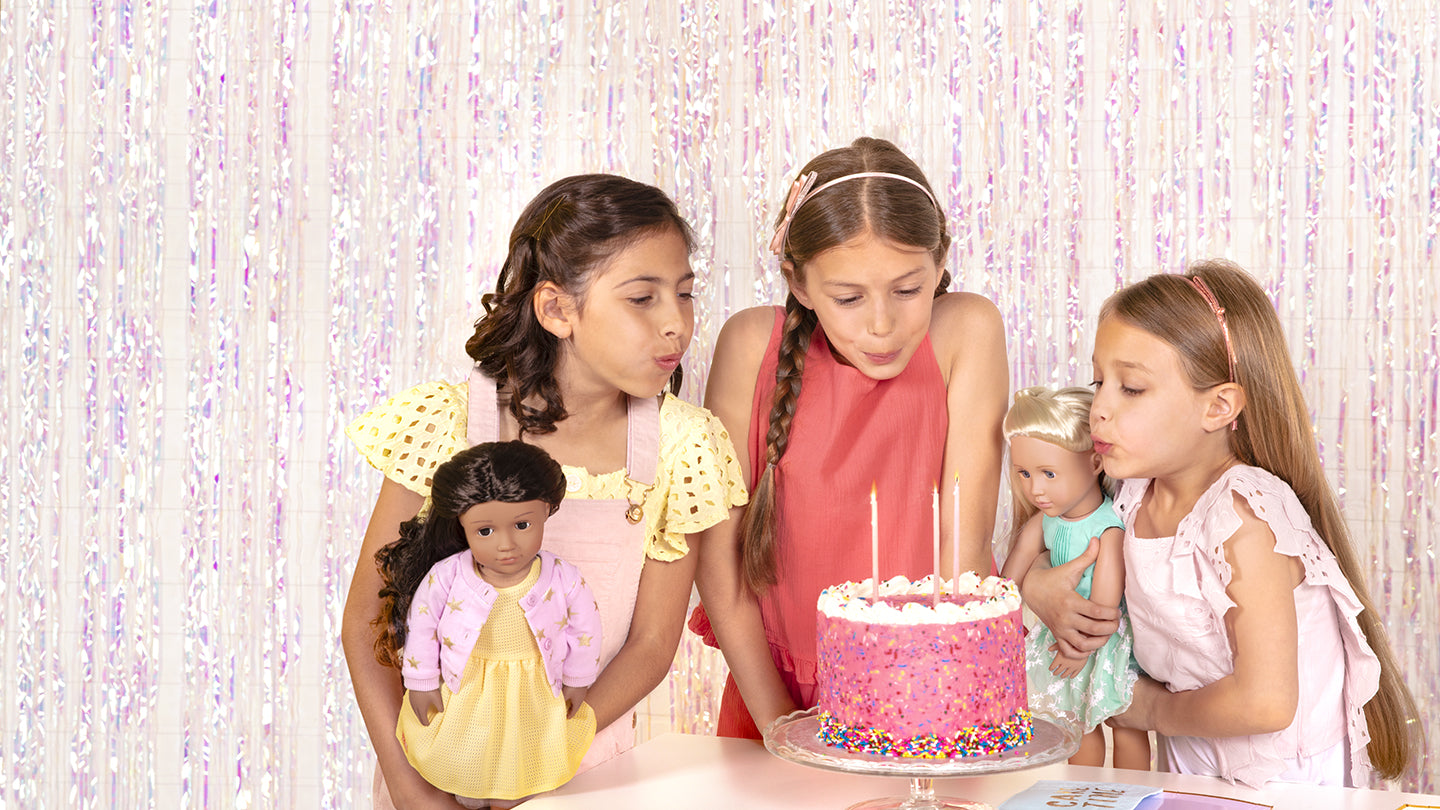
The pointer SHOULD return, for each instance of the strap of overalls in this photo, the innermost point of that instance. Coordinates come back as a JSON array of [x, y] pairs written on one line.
[[642, 436]]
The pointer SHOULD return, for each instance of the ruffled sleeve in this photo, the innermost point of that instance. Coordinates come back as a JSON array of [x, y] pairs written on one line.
[[699, 475], [1204, 532], [411, 434]]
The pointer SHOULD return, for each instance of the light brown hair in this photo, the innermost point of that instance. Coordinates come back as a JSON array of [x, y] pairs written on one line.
[[892, 210], [1274, 433]]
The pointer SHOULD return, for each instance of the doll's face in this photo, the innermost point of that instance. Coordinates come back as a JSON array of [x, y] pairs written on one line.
[[1059, 482], [504, 538]]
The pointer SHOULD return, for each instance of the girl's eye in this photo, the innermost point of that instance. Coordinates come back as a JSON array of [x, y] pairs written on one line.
[[1095, 384], [1131, 392], [847, 302], [642, 300], [908, 293], [522, 525], [1024, 474], [1049, 473], [486, 531], [688, 295]]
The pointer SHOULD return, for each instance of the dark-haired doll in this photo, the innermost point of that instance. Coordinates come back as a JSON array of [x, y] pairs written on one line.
[[497, 640]]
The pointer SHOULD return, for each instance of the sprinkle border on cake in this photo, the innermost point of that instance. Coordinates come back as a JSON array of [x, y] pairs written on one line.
[[970, 742]]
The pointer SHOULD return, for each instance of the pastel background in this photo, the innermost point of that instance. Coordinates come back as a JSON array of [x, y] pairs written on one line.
[[229, 227]]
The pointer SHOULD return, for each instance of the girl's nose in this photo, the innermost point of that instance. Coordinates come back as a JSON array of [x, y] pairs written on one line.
[[882, 321], [672, 319]]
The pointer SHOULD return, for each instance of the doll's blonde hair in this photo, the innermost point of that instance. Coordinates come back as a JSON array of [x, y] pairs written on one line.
[[1058, 416]]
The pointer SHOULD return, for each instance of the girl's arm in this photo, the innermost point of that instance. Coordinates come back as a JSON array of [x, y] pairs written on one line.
[[1261, 694], [732, 608], [1080, 626], [649, 650], [378, 689], [969, 341], [1029, 545]]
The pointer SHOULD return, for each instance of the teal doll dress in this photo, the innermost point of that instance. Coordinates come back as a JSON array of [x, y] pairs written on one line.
[[1104, 685]]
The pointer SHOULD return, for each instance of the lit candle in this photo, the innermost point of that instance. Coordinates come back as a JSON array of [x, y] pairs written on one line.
[[874, 547], [955, 540], [935, 508]]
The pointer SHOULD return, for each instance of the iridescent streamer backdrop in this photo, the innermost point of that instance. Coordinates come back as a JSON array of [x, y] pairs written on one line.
[[230, 227]]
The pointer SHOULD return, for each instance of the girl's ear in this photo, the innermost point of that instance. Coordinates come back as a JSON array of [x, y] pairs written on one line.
[[1097, 463], [553, 309], [1226, 401], [797, 289]]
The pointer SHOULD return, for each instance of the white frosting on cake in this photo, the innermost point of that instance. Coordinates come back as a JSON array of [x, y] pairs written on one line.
[[997, 596]]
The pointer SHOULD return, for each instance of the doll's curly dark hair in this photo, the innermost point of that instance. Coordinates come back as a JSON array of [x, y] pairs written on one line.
[[512, 472]]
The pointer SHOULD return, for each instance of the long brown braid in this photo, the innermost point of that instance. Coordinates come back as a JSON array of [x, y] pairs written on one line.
[[891, 209]]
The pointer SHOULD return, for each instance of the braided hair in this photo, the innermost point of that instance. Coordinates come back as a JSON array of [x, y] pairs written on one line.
[[572, 228], [891, 209]]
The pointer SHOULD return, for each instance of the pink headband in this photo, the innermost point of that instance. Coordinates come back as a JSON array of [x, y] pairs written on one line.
[[1204, 290], [800, 194]]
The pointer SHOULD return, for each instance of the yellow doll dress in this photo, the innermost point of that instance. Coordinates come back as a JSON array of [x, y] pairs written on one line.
[[504, 734]]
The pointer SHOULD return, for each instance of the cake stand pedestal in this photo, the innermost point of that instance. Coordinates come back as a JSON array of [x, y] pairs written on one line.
[[796, 737]]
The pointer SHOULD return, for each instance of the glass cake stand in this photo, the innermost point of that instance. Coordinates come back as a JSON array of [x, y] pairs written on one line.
[[796, 737]]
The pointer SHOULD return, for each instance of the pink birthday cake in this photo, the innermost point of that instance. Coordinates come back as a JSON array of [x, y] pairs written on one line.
[[900, 676]]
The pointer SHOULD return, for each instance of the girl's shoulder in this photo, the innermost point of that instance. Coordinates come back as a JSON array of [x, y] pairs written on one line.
[[748, 331], [965, 325]]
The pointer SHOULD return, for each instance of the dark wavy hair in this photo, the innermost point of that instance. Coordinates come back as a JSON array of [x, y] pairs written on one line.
[[891, 209], [569, 230], [512, 472]]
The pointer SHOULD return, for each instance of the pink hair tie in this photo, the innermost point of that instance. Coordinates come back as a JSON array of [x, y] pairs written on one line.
[[800, 194], [1201, 287]]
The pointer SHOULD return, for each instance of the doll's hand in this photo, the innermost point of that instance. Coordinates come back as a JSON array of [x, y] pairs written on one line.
[[426, 704], [1064, 666], [574, 696]]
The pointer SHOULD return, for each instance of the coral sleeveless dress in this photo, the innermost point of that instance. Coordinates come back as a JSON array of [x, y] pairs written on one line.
[[850, 432]]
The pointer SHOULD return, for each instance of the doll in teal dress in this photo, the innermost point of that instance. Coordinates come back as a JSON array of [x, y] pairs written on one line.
[[1061, 503]]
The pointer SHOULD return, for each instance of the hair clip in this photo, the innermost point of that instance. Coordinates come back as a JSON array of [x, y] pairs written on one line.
[[798, 190]]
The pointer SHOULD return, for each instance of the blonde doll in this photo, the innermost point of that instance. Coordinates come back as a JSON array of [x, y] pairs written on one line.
[[1061, 505]]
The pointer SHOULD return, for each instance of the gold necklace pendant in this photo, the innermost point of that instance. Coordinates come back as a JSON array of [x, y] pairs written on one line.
[[634, 513]]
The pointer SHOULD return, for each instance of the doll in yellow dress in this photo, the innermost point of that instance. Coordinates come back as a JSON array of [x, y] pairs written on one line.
[[497, 640]]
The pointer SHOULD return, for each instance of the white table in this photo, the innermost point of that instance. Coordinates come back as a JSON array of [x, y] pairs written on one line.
[[698, 772]]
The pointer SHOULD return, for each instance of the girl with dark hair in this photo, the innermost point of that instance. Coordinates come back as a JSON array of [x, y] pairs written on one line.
[[871, 375], [1249, 608], [591, 315], [497, 640]]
